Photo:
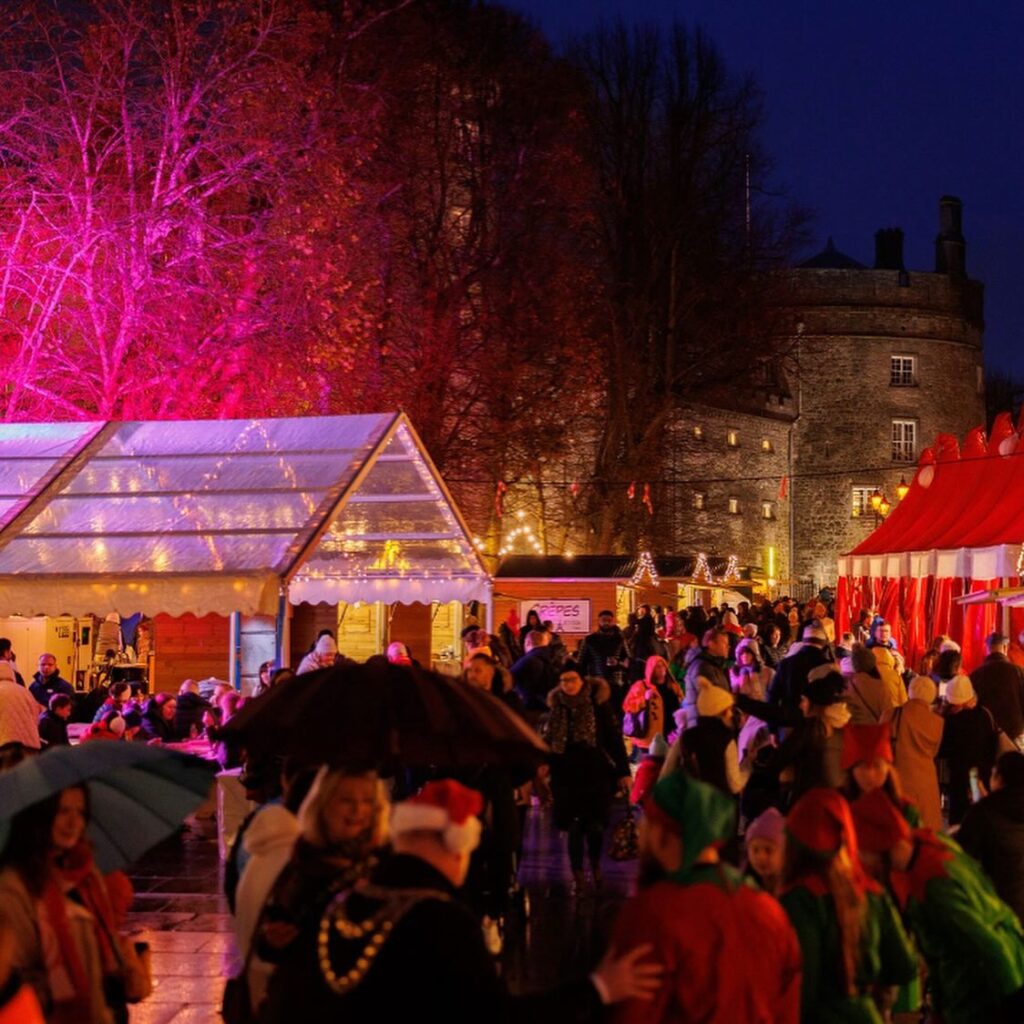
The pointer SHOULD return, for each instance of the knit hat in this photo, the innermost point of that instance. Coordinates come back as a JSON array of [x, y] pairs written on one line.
[[865, 743], [948, 645], [748, 644], [922, 688], [703, 815], [713, 700], [863, 659], [769, 826], [880, 825], [326, 645], [825, 686], [6, 672], [960, 690], [446, 807], [820, 821], [658, 747], [750, 631], [815, 633]]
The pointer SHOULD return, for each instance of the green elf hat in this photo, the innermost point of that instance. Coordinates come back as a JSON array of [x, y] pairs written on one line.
[[703, 815]]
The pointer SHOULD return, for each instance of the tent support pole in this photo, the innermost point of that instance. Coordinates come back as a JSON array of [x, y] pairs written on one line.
[[1004, 611], [235, 646], [283, 630], [490, 612]]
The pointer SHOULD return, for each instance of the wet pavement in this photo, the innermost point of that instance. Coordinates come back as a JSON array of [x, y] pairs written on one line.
[[180, 911]]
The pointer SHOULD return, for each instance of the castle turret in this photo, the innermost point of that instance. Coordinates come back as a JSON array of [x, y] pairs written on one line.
[[950, 247]]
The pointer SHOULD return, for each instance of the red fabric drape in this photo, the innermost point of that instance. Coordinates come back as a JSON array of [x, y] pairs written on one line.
[[979, 621], [940, 602], [842, 612], [956, 612], [889, 602], [914, 641]]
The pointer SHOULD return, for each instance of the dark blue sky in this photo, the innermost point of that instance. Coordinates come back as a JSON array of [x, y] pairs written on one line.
[[874, 110]]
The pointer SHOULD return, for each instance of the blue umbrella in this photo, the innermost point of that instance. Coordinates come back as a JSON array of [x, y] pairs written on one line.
[[138, 795]]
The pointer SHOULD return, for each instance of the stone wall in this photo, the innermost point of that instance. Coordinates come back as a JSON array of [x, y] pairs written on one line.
[[850, 324]]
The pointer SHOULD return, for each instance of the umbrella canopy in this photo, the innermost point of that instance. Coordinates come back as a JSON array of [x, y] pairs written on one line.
[[138, 795], [385, 715]]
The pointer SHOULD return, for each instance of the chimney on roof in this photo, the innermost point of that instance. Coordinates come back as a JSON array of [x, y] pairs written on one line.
[[950, 247], [889, 249]]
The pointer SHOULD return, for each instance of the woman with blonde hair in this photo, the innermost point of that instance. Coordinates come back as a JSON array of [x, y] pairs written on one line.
[[854, 946], [342, 827]]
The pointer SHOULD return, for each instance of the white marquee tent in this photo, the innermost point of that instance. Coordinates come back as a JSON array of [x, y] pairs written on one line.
[[226, 516]]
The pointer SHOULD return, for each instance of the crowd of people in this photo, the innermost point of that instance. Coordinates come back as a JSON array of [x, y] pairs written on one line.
[[855, 820]]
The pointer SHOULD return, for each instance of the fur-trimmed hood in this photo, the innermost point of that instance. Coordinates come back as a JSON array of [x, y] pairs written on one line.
[[600, 690]]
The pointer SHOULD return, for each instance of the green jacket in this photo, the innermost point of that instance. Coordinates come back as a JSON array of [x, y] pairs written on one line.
[[971, 940], [887, 956]]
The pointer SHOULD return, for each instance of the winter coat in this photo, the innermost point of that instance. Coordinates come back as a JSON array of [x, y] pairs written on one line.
[[535, 677], [43, 689], [999, 685], [583, 777], [868, 698], [53, 730], [662, 701], [433, 966], [887, 956], [791, 676], [968, 741], [155, 726], [916, 737], [889, 672], [597, 648], [709, 752], [269, 841], [992, 832], [189, 713], [808, 757], [19, 716], [704, 932]]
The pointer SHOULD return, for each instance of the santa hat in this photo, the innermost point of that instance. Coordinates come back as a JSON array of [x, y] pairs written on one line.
[[865, 743], [446, 807], [880, 825]]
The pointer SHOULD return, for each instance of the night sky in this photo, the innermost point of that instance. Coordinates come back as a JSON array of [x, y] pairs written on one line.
[[873, 111]]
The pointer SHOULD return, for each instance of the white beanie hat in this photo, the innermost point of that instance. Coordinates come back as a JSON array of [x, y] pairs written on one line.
[[713, 700], [960, 690], [326, 645]]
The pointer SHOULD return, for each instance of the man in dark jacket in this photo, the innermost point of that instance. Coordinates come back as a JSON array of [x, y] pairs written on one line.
[[47, 681], [790, 680], [992, 831], [405, 947], [603, 653], [999, 685], [534, 673]]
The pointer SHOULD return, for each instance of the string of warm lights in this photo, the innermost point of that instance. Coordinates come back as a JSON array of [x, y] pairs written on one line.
[[645, 567]]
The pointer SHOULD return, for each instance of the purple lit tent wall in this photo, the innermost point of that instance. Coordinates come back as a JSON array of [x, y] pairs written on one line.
[[228, 516]]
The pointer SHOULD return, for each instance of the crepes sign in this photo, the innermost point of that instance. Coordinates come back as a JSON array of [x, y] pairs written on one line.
[[566, 616]]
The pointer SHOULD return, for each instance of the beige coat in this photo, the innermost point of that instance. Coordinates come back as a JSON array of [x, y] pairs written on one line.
[[916, 735], [869, 699], [890, 675]]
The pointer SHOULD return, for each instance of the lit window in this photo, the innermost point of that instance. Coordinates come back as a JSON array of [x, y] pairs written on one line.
[[700, 501], [861, 505], [734, 506], [698, 433], [904, 440], [732, 439], [903, 371], [767, 510], [766, 444]]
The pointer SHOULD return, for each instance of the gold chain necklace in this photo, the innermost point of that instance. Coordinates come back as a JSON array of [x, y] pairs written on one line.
[[378, 926]]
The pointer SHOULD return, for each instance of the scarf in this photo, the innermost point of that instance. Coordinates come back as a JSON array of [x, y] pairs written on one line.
[[836, 715], [75, 873], [572, 720]]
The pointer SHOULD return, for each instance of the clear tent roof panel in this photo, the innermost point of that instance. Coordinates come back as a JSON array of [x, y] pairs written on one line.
[[217, 495]]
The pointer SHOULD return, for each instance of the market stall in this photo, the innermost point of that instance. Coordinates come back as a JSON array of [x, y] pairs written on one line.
[[248, 519], [958, 532]]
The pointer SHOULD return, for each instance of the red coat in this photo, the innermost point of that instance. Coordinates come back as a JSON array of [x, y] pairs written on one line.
[[729, 952]]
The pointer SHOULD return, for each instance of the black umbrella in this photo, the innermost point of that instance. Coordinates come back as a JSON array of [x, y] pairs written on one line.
[[386, 715]]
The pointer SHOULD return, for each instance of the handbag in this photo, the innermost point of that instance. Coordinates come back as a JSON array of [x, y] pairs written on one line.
[[625, 844], [636, 723], [137, 970]]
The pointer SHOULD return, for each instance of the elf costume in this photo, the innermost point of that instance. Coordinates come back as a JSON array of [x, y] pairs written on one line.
[[970, 939], [705, 923], [834, 991]]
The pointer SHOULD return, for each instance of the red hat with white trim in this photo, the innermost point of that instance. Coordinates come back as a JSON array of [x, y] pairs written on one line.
[[446, 807]]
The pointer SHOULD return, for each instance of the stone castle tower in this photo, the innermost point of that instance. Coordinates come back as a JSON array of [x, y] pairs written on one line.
[[885, 359]]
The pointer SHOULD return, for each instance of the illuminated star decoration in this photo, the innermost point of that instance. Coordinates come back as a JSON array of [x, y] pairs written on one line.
[[645, 567]]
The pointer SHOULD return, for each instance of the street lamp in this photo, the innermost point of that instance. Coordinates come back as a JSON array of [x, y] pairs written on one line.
[[902, 488]]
